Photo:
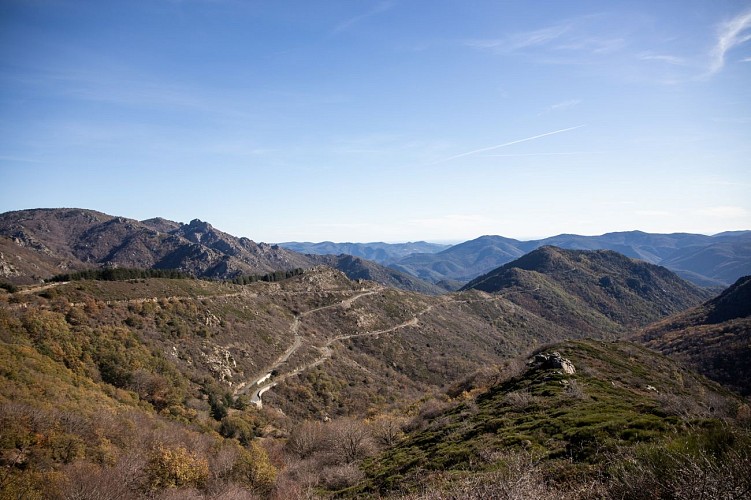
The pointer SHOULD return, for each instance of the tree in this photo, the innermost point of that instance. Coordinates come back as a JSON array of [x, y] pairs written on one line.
[[254, 469]]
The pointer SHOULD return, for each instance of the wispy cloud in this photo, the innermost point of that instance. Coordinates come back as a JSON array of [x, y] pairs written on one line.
[[731, 34], [665, 58], [379, 8], [724, 211], [592, 44], [576, 35], [561, 106], [497, 146], [522, 40]]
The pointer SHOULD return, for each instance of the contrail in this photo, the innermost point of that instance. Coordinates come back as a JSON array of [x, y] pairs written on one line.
[[572, 153], [482, 150]]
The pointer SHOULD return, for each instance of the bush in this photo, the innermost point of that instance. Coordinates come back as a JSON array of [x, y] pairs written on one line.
[[175, 467]]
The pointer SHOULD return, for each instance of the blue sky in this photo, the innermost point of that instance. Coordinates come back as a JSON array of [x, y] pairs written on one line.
[[352, 120]]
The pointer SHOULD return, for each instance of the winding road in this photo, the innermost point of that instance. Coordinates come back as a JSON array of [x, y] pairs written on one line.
[[269, 379], [263, 383]]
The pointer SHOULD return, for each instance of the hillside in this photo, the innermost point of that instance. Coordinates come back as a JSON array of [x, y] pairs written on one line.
[[713, 338], [360, 269], [228, 380], [85, 362], [590, 291], [572, 422], [22, 265], [235, 334], [705, 260]]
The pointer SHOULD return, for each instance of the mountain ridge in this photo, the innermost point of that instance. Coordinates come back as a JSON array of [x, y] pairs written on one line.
[[600, 288], [39, 243]]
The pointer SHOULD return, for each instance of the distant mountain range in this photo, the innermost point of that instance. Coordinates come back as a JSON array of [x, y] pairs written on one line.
[[716, 260], [382, 253], [36, 244]]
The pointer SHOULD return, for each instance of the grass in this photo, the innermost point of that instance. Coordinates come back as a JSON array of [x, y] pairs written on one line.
[[609, 409]]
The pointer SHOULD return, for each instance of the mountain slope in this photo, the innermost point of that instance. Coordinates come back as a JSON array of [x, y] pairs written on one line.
[[23, 266], [590, 290], [85, 239], [713, 338]]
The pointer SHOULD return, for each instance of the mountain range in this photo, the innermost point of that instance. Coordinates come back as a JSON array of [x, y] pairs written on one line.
[[716, 260], [73, 239]]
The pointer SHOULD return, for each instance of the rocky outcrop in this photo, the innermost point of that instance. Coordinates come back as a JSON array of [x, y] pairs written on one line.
[[553, 361], [220, 361]]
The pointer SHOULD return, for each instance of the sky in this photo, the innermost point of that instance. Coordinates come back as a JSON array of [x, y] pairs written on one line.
[[372, 120]]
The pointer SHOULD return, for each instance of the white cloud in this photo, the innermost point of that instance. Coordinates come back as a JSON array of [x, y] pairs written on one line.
[[592, 44], [731, 34]]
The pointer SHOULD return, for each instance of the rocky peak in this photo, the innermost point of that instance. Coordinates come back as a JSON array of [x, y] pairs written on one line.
[[197, 225]]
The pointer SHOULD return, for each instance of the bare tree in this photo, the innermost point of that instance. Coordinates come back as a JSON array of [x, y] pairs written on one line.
[[388, 430], [350, 439]]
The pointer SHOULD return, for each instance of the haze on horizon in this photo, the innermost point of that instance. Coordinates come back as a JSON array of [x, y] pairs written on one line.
[[381, 120]]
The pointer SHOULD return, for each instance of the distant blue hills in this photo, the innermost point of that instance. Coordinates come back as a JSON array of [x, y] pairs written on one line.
[[713, 261]]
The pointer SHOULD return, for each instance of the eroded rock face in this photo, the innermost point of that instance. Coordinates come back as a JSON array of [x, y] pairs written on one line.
[[220, 362], [554, 361]]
